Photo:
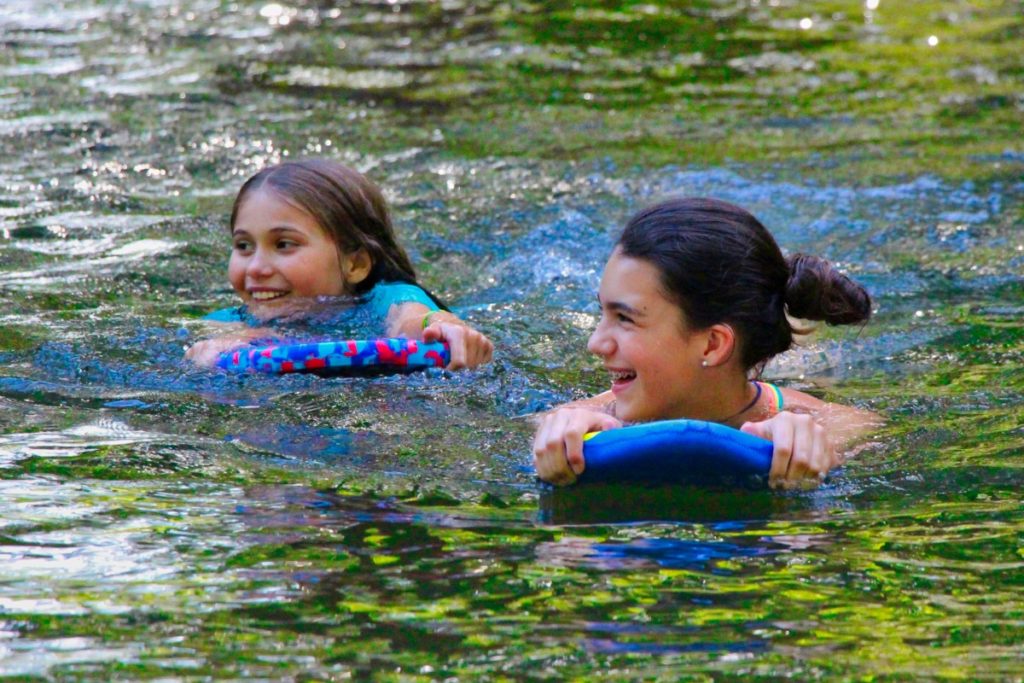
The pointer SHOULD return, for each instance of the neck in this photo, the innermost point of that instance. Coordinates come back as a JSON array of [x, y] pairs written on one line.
[[734, 402]]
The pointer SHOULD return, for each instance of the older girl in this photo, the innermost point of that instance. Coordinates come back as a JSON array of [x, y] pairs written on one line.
[[694, 301]]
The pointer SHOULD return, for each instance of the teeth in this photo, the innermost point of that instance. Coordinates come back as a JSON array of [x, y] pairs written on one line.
[[266, 296], [619, 375]]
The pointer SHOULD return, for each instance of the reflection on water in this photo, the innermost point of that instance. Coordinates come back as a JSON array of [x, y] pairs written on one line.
[[646, 552], [157, 520]]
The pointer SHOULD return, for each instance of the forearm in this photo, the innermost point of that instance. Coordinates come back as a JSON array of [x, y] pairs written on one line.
[[847, 425], [407, 320], [602, 403]]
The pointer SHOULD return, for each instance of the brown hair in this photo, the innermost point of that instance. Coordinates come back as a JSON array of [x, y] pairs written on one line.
[[720, 264], [347, 205]]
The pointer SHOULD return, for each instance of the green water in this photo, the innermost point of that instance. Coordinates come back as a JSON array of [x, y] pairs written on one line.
[[162, 523]]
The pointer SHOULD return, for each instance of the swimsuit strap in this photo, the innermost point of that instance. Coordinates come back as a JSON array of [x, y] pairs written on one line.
[[778, 395]]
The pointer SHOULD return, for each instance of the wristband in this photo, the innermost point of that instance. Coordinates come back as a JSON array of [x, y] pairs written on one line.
[[426, 319]]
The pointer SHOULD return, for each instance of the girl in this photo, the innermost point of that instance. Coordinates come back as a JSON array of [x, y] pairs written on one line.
[[307, 229], [694, 301]]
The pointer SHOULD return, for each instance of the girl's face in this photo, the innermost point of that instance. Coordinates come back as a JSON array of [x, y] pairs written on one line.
[[281, 256], [654, 359]]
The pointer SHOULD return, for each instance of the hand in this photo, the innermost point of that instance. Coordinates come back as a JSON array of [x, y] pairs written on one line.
[[558, 443], [205, 353], [468, 347], [803, 453]]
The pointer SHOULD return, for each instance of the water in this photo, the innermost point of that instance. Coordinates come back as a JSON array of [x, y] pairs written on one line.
[[160, 522]]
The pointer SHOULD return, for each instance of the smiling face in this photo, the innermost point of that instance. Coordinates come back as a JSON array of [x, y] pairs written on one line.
[[654, 359], [281, 256]]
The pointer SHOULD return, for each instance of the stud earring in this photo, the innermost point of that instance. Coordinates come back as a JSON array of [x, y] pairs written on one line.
[[703, 363]]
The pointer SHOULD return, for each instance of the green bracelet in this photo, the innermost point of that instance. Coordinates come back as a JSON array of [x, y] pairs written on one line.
[[426, 318]]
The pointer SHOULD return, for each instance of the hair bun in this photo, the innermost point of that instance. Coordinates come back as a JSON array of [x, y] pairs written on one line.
[[817, 291]]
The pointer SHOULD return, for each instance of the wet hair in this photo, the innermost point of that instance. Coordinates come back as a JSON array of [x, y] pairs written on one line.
[[347, 205], [721, 265]]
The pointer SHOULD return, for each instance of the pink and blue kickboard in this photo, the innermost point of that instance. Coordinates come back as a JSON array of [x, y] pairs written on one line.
[[674, 451], [338, 357]]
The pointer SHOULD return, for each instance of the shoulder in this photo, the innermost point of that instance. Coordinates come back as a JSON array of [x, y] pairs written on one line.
[[384, 295], [393, 289], [799, 402], [603, 402], [845, 423]]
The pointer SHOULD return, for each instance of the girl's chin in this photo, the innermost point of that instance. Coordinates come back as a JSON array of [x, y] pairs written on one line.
[[274, 308], [624, 410], [293, 307], [631, 411]]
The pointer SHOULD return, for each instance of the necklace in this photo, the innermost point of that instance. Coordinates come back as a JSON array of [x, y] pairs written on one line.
[[757, 396], [610, 408]]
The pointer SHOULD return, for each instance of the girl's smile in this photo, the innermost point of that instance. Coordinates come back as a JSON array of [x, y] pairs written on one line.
[[280, 255]]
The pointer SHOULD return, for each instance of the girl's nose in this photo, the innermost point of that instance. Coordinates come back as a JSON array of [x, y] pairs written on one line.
[[600, 343], [259, 265]]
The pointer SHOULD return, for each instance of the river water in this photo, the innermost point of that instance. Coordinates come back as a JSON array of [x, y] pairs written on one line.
[[159, 522]]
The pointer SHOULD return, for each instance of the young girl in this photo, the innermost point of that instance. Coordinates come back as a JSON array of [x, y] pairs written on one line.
[[304, 230], [694, 301]]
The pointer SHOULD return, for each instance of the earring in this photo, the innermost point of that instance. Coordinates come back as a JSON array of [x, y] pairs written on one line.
[[703, 363]]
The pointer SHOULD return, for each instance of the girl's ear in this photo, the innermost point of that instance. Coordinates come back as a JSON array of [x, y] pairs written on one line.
[[719, 345], [356, 266]]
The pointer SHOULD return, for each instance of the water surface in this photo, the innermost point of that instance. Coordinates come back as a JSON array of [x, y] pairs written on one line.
[[161, 522]]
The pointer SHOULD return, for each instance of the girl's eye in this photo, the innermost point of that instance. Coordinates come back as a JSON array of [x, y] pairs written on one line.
[[242, 245], [623, 318], [286, 244]]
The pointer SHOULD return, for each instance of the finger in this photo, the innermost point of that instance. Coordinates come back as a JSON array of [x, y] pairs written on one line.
[[606, 422], [472, 345], [432, 332], [812, 454], [760, 429], [824, 453], [549, 452], [453, 334], [574, 450], [540, 453], [482, 349], [584, 422], [782, 453], [803, 446]]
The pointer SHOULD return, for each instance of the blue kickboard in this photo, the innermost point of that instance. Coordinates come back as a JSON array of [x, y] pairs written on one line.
[[674, 451]]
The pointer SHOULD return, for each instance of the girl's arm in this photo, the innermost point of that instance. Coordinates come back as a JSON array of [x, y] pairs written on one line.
[[845, 424], [810, 437], [469, 348]]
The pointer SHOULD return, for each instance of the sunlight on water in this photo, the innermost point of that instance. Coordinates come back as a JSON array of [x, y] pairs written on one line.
[[160, 521]]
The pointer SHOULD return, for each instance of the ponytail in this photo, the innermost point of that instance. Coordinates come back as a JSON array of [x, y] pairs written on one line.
[[817, 291]]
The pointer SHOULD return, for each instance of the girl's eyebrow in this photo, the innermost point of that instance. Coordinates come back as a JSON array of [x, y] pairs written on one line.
[[620, 307], [276, 228]]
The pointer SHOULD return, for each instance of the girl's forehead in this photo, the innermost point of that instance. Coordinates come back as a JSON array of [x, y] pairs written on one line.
[[637, 284], [266, 194], [264, 201], [626, 274]]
